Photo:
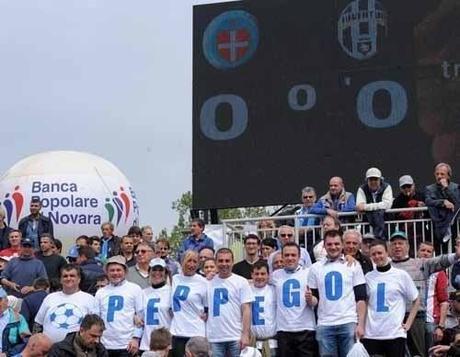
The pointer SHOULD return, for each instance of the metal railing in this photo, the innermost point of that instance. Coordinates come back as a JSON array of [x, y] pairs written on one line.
[[419, 228]]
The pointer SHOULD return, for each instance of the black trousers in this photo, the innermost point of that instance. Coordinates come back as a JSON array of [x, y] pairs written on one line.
[[298, 344], [388, 348], [178, 346]]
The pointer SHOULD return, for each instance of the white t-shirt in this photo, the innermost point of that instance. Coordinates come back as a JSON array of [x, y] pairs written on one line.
[[292, 312], [188, 300], [335, 282], [226, 297], [62, 313], [387, 294], [117, 307], [263, 324], [157, 312]]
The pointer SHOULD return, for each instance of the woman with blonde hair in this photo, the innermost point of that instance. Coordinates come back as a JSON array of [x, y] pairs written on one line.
[[189, 303]]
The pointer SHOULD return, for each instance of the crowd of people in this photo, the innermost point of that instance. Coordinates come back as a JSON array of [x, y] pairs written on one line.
[[128, 296]]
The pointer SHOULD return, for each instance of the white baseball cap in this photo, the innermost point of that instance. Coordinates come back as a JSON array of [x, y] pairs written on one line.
[[373, 172], [157, 261], [406, 180]]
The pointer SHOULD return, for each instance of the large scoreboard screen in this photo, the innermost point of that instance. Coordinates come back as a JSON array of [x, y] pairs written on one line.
[[287, 93]]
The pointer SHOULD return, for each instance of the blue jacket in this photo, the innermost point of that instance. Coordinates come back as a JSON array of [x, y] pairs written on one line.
[[45, 225], [31, 304], [190, 243], [15, 334], [344, 203], [91, 270]]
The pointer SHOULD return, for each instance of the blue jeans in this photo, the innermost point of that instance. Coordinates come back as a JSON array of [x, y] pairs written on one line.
[[335, 341], [223, 349]]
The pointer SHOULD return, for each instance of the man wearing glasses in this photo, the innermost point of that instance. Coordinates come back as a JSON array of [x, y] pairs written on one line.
[[139, 273], [285, 235], [308, 201]]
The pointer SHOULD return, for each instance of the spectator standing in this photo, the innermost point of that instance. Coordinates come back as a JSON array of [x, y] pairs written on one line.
[[341, 293], [388, 289], [251, 249], [13, 328], [335, 201], [71, 303], [53, 263], [14, 248], [163, 247], [419, 270], [90, 268], [294, 310], [263, 314], [229, 320], [436, 298], [4, 230], [139, 273], [373, 198], [110, 243], [31, 302], [147, 234], [197, 239], [127, 250], [35, 224], [442, 199], [157, 302], [119, 302], [189, 304], [84, 342], [20, 273], [204, 254], [352, 241], [136, 234], [268, 246], [286, 235]]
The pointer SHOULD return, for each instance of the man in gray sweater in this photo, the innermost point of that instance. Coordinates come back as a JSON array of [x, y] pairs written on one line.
[[20, 273], [419, 270]]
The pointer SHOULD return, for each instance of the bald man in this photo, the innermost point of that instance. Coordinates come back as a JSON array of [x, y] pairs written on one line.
[[38, 345], [336, 200]]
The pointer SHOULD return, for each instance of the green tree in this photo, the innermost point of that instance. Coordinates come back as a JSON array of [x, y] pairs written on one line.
[[183, 205]]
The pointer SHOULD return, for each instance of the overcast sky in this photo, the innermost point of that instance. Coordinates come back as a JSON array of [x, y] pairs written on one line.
[[112, 78]]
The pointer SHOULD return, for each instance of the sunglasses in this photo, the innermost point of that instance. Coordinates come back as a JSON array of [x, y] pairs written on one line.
[[286, 235], [406, 186], [305, 197], [143, 251]]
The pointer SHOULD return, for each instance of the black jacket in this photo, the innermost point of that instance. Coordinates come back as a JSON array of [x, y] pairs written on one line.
[[91, 271], [45, 225], [65, 348], [4, 237]]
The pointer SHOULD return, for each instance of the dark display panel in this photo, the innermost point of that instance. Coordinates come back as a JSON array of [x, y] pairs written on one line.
[[289, 93]]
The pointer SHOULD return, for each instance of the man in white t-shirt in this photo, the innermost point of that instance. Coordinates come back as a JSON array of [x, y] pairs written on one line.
[[119, 302], [341, 292], [263, 309], [62, 312], [294, 313], [229, 298]]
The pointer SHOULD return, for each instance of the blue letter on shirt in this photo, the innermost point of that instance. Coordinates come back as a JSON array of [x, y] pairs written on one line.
[[115, 304], [333, 285], [152, 308], [220, 298], [180, 294], [258, 309], [291, 298], [381, 298]]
